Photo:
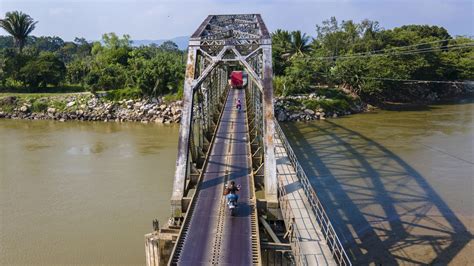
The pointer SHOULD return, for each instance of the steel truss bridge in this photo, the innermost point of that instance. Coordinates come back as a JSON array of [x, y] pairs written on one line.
[[218, 144]]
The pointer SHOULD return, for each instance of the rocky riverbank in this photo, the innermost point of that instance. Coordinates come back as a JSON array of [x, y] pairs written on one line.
[[89, 107], [314, 107]]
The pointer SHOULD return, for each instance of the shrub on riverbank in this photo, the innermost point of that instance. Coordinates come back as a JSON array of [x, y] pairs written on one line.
[[327, 102], [123, 94], [40, 105]]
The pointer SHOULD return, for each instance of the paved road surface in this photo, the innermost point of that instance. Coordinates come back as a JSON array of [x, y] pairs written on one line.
[[213, 235]]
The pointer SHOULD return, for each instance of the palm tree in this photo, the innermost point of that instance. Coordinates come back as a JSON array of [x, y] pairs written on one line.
[[299, 43], [281, 41], [19, 25]]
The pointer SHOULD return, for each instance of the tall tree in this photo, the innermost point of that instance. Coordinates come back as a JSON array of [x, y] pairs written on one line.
[[281, 46], [19, 25], [299, 43], [169, 46]]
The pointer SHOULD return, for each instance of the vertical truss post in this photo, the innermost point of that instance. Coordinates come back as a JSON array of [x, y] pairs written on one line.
[[271, 182], [182, 161]]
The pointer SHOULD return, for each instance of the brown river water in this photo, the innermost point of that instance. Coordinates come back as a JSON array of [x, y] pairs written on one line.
[[398, 186], [82, 193]]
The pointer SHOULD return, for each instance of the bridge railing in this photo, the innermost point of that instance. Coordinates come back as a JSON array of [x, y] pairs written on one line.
[[288, 216], [327, 228]]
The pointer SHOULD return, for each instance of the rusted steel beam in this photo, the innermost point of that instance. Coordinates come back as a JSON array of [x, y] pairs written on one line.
[[263, 27], [202, 27], [184, 134], [271, 182]]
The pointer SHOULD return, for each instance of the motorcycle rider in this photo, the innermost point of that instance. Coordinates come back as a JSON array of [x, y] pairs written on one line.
[[231, 192]]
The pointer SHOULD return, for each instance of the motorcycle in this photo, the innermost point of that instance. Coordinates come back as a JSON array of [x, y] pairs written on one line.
[[232, 202], [232, 205]]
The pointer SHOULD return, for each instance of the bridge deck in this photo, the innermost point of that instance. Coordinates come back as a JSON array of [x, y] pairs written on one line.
[[312, 246], [213, 236]]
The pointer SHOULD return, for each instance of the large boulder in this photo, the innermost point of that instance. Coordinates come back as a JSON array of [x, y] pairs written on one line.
[[309, 111], [24, 109]]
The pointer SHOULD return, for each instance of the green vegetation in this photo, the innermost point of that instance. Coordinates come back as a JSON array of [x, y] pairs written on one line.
[[123, 94], [7, 106], [328, 99], [368, 61], [19, 25], [39, 106], [362, 60], [49, 64]]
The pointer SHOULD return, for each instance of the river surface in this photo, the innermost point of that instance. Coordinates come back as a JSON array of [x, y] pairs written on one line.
[[82, 193], [398, 186]]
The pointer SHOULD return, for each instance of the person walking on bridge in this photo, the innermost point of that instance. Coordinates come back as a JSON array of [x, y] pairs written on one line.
[[238, 104]]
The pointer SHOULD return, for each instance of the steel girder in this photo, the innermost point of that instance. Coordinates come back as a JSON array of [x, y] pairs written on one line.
[[220, 41]]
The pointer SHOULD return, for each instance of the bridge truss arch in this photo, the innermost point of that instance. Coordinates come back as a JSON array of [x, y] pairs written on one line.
[[220, 43]]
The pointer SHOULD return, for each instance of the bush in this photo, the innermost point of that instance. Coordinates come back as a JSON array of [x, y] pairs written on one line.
[[44, 70], [311, 104], [58, 105], [279, 85], [7, 104], [330, 105], [121, 94], [109, 77], [39, 106]]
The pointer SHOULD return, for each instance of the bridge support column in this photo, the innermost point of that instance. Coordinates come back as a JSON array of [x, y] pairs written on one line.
[[159, 246], [270, 179], [182, 162]]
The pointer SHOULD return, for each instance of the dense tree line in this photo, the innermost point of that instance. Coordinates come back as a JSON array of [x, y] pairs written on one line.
[[113, 63], [372, 62], [37, 63], [361, 58]]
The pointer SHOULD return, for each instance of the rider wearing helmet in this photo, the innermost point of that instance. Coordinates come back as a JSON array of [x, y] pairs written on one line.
[[231, 192]]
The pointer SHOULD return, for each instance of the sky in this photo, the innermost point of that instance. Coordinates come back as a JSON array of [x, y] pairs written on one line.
[[165, 19]]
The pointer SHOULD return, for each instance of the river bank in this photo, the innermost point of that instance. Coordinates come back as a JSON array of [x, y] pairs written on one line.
[[89, 107], [316, 107], [98, 107]]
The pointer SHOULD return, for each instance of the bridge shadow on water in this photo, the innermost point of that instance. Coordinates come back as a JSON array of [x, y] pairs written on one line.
[[384, 211]]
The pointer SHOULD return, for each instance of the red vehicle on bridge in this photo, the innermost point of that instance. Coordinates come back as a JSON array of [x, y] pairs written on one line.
[[238, 79]]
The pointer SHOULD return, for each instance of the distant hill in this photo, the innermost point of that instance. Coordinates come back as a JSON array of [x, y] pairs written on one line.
[[181, 41]]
